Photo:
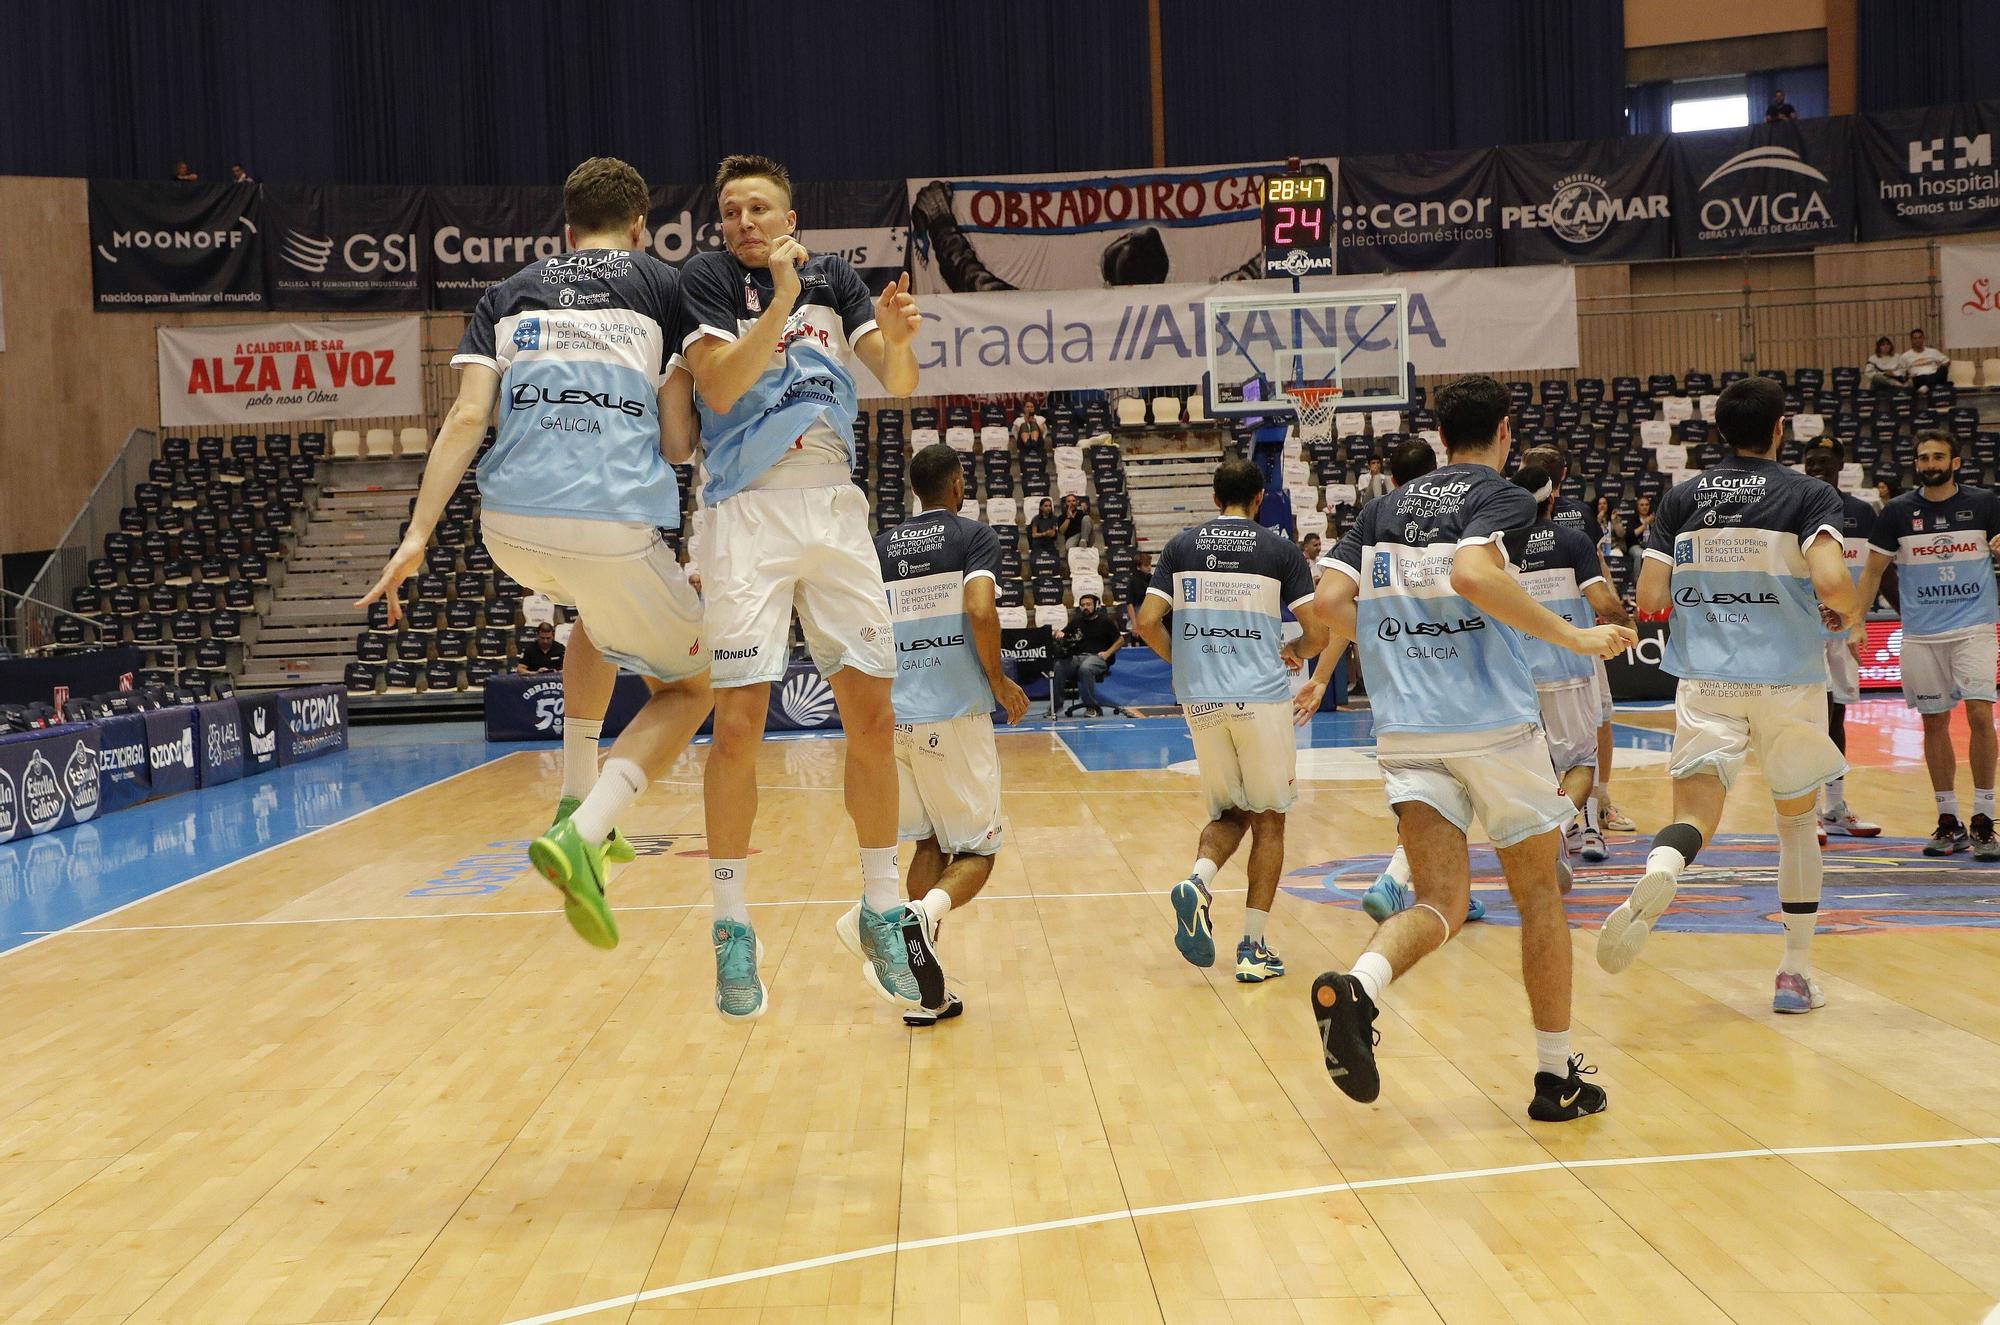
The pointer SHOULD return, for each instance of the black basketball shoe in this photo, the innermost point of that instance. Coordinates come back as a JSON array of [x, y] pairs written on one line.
[[1346, 1017], [1561, 1099]]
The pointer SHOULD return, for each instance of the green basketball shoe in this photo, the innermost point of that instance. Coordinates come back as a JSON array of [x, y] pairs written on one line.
[[577, 868], [617, 851]]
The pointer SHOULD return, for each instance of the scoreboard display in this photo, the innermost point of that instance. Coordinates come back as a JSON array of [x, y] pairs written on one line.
[[1298, 221]]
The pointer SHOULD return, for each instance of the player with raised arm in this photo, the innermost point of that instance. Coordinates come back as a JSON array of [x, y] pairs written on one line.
[[942, 573], [1747, 555], [576, 490], [1421, 583], [776, 334], [1843, 651], [1941, 537], [1226, 582], [1561, 570]]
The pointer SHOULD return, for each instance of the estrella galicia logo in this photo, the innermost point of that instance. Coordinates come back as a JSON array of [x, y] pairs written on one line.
[[41, 794], [806, 700], [81, 775], [528, 334], [10, 806], [1379, 576]]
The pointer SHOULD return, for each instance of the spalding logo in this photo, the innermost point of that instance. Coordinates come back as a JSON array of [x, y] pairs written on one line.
[[806, 700]]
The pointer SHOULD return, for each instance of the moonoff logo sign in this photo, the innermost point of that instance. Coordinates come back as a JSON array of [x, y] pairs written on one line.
[[164, 240]]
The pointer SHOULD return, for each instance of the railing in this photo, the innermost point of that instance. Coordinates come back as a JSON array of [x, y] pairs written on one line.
[[68, 567]]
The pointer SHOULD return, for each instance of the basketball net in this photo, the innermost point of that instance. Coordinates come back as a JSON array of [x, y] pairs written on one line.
[[1315, 407]]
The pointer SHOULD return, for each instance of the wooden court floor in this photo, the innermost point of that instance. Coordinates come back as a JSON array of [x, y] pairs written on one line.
[[293, 1092]]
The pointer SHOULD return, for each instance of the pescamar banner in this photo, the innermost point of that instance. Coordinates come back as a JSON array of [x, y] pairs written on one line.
[[275, 372], [1603, 200], [1928, 171], [1770, 187], [345, 248], [1417, 211], [1086, 230], [476, 236], [161, 245], [1060, 340]]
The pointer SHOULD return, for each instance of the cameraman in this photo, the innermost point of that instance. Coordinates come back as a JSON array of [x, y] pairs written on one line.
[[1088, 644]]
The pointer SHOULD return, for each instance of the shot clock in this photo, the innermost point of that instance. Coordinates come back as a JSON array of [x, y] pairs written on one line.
[[1298, 221]]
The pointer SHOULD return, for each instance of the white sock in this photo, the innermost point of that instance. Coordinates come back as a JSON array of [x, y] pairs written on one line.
[[1399, 868], [1982, 801], [580, 755], [1666, 858], [619, 785], [727, 881], [878, 879], [1590, 816], [1552, 1053], [1372, 970], [1205, 870], [1254, 922], [1801, 877], [936, 905], [1836, 795], [1947, 803]]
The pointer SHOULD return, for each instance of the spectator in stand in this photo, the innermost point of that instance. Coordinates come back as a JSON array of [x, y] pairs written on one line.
[[1603, 511], [185, 173], [1885, 492], [1311, 547], [1088, 644], [1030, 416], [1925, 364], [1885, 369], [238, 175], [1779, 109], [1078, 527], [1044, 528], [544, 655], [1642, 520], [1029, 435], [1373, 484]]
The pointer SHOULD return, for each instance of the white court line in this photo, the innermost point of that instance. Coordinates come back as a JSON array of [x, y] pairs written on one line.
[[1223, 1202], [44, 935]]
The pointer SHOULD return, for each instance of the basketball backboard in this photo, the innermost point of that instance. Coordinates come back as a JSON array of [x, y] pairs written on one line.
[[1260, 345]]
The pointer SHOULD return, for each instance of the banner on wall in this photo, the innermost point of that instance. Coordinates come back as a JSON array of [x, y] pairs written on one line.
[[476, 236], [1021, 340], [1606, 200], [314, 723], [48, 780], [161, 245], [1969, 291], [1418, 211], [1769, 187], [864, 221], [1086, 230], [1927, 171], [345, 248], [274, 372]]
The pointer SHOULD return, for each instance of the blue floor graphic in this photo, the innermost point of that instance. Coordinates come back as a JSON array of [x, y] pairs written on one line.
[[51, 882]]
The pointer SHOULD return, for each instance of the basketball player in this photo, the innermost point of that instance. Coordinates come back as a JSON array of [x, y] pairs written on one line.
[[942, 572], [1391, 890], [576, 490], [1843, 652], [1941, 538], [1573, 514], [1560, 568], [1224, 581], [1748, 556], [1422, 585], [775, 335]]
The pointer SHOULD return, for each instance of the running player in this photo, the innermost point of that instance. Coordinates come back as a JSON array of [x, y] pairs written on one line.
[[1225, 582], [1423, 587], [1843, 652], [576, 490], [1560, 569], [1941, 538], [1748, 556], [942, 574], [776, 332], [1572, 514]]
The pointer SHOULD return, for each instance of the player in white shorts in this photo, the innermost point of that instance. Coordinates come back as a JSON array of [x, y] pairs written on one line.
[[1941, 539], [1560, 569], [1843, 651], [1226, 583], [1420, 582], [776, 334], [1747, 555], [576, 490], [942, 575]]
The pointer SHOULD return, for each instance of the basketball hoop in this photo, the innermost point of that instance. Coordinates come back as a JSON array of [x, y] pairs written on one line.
[[1315, 406]]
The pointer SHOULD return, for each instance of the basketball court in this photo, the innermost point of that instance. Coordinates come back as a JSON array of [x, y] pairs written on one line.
[[367, 1073]]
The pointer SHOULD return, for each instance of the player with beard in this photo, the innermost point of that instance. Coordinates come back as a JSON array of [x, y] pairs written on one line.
[[1843, 651], [1941, 539]]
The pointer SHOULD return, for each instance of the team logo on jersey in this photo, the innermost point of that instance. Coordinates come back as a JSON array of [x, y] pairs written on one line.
[[528, 334], [1684, 552], [1190, 591], [1380, 575]]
